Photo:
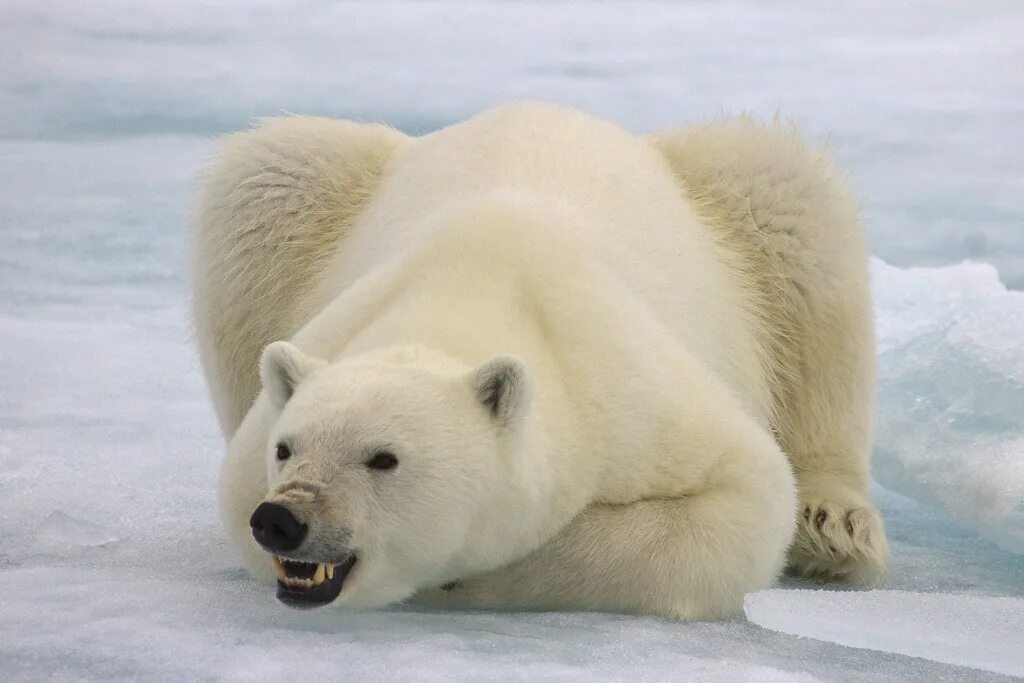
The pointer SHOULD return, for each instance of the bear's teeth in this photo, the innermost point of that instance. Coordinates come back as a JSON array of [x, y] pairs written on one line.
[[323, 572], [275, 561]]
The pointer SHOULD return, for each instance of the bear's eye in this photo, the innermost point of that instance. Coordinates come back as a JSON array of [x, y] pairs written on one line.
[[283, 452], [382, 461]]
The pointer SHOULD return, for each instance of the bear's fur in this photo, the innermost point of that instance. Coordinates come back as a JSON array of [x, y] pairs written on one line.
[[590, 351]]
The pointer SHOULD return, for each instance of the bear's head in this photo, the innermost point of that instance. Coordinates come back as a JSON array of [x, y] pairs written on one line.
[[382, 469]]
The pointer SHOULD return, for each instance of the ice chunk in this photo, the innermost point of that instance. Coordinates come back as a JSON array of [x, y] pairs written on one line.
[[60, 531], [950, 418], [968, 630]]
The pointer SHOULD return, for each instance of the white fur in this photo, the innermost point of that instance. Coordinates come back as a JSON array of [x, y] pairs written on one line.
[[664, 316]]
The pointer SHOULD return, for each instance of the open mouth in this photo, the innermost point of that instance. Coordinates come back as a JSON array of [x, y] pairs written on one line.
[[304, 585]]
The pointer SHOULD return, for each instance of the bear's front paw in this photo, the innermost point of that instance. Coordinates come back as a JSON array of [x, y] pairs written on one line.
[[840, 541]]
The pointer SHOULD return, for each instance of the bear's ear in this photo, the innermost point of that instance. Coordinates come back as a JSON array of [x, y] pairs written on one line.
[[282, 368], [502, 385]]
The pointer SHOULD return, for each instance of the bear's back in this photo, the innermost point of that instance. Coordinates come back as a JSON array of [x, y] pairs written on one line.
[[604, 192]]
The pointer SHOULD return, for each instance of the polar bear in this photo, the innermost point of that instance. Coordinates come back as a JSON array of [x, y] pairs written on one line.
[[535, 361]]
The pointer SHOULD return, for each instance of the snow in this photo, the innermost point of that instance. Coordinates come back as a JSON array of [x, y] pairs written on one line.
[[112, 561]]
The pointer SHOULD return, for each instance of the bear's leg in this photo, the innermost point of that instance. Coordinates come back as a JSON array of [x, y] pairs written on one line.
[[788, 209], [824, 421], [690, 557], [243, 485], [826, 429]]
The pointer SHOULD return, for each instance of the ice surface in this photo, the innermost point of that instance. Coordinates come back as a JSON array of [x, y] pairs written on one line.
[[106, 432], [979, 631], [924, 106]]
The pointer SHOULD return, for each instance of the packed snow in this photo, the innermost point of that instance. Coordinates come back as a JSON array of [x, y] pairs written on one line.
[[113, 563]]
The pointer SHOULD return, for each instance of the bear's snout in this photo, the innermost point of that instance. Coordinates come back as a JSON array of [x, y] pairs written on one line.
[[276, 528]]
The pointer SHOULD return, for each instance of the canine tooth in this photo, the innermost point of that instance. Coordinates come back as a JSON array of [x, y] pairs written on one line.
[[330, 570], [318, 576], [275, 561]]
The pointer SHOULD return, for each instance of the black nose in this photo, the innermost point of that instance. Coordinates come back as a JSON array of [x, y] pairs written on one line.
[[275, 528]]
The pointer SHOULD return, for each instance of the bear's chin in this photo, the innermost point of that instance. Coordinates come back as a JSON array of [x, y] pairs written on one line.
[[303, 585]]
